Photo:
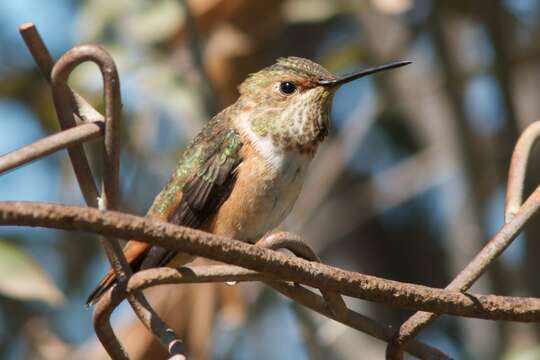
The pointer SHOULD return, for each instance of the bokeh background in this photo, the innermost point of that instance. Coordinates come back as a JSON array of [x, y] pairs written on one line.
[[409, 185]]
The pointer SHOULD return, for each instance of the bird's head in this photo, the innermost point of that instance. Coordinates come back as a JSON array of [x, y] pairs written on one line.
[[289, 102]]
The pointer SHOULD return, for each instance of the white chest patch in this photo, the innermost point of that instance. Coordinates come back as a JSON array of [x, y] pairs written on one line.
[[276, 194], [280, 184]]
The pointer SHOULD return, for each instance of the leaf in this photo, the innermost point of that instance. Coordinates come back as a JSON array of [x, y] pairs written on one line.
[[23, 279]]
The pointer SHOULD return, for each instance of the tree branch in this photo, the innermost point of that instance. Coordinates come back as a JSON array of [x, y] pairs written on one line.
[[199, 243]]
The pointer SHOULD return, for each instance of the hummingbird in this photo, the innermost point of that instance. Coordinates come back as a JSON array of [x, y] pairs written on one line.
[[241, 175]]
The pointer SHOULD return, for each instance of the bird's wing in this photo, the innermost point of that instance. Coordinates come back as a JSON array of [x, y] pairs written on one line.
[[202, 181], [203, 192]]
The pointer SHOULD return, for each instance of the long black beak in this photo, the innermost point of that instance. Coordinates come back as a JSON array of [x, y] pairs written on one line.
[[347, 78]]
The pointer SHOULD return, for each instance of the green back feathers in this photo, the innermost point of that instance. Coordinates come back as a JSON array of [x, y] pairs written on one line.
[[217, 143]]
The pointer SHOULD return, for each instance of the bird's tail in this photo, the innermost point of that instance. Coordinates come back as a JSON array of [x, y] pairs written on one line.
[[140, 256], [135, 253], [105, 284]]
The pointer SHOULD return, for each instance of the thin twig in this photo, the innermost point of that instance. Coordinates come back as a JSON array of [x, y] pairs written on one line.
[[37, 48], [45, 63], [62, 104], [51, 144], [101, 320], [518, 168]]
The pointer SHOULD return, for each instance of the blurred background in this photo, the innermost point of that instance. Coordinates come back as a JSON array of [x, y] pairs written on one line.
[[408, 187]]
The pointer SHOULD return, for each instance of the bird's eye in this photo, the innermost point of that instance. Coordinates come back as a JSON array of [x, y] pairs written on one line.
[[287, 88]]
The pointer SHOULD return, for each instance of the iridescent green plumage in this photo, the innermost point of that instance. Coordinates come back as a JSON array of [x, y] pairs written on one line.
[[211, 154]]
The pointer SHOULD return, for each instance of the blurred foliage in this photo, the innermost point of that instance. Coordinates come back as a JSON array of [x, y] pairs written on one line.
[[409, 185], [23, 279]]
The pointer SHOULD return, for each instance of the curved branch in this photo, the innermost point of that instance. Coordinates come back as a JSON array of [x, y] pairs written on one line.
[[45, 63], [101, 320], [518, 169], [295, 244]]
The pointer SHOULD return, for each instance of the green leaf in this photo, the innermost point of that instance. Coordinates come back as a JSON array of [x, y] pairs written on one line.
[[23, 279]]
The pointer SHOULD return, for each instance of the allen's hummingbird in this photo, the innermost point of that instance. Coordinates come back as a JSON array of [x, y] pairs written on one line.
[[242, 174]]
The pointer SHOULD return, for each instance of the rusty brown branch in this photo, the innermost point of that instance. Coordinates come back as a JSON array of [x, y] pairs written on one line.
[[158, 327], [193, 274], [37, 48], [50, 144], [58, 74], [102, 324], [196, 242], [62, 104]]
